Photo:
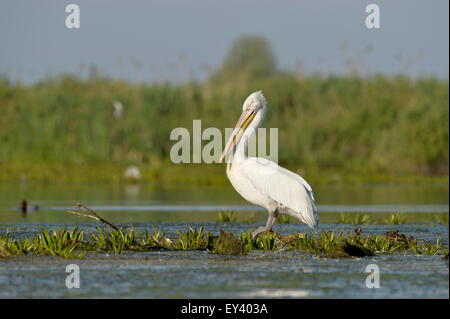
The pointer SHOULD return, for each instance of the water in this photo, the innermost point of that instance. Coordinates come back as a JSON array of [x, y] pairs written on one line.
[[199, 274], [145, 203]]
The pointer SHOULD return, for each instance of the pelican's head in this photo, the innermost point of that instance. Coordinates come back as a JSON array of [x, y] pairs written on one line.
[[255, 102], [253, 111]]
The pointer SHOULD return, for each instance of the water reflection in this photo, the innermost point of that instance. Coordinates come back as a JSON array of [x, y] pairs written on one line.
[[158, 202]]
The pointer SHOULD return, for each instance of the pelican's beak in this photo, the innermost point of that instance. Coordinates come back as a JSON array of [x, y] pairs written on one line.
[[243, 122]]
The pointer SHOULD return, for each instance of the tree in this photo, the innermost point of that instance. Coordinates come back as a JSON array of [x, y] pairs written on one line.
[[251, 56]]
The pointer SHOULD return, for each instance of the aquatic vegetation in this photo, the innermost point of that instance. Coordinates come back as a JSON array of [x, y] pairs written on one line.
[[358, 245], [361, 219], [250, 218], [430, 249], [227, 244], [249, 242], [10, 247], [441, 219], [396, 219], [226, 216], [267, 240], [190, 240], [357, 220], [61, 242], [344, 218], [382, 244], [283, 219], [71, 104], [74, 243], [157, 240], [114, 240], [320, 244]]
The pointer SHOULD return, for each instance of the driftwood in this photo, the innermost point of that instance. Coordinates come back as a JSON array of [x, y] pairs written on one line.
[[93, 216]]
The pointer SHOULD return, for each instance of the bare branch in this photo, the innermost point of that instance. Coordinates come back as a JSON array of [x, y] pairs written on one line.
[[93, 216]]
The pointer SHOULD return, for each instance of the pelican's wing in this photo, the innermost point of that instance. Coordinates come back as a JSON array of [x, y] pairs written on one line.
[[283, 186]]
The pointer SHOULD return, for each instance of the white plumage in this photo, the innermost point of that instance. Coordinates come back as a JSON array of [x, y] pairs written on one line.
[[261, 181], [289, 190]]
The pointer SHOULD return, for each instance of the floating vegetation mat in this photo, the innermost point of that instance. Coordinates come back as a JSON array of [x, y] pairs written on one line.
[[76, 243]]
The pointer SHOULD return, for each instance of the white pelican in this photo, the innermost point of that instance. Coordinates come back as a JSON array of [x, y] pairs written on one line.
[[261, 181]]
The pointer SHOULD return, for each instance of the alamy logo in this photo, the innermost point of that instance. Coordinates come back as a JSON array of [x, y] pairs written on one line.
[[73, 19], [373, 19], [373, 279], [210, 153], [73, 280]]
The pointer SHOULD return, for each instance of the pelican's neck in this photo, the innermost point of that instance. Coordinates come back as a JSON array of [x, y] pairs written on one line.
[[241, 148]]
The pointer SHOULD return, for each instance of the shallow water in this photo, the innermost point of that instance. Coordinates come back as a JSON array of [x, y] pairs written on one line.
[[146, 203], [200, 274]]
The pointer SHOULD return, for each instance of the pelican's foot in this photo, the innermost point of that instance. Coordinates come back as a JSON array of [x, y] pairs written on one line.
[[260, 230]]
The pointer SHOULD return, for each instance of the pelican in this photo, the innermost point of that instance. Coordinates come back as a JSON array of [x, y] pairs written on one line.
[[263, 182]]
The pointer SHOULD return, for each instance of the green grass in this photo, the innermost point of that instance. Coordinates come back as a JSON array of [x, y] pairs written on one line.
[[250, 218], [283, 219], [389, 219], [226, 216], [74, 243], [377, 128], [430, 249], [267, 241], [335, 128], [441, 219], [62, 242], [384, 218], [358, 219], [190, 240], [396, 219]]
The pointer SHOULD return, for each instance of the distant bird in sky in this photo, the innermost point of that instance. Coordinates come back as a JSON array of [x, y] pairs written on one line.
[[27, 208], [261, 181]]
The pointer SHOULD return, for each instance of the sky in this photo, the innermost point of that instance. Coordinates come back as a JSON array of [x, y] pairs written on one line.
[[179, 40]]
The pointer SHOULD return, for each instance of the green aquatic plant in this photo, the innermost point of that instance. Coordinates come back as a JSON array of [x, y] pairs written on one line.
[[249, 242], [344, 218], [115, 240], [266, 241], [72, 243], [340, 245], [227, 244], [361, 219], [430, 249], [283, 219], [249, 218], [318, 244], [396, 219], [226, 216], [9, 247], [155, 240], [357, 220], [441, 219], [191, 240], [61, 242], [383, 244]]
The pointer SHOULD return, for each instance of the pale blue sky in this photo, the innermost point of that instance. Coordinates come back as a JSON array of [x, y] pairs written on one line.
[[178, 39]]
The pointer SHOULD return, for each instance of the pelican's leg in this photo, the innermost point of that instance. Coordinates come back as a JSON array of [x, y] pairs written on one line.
[[273, 214], [271, 220]]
